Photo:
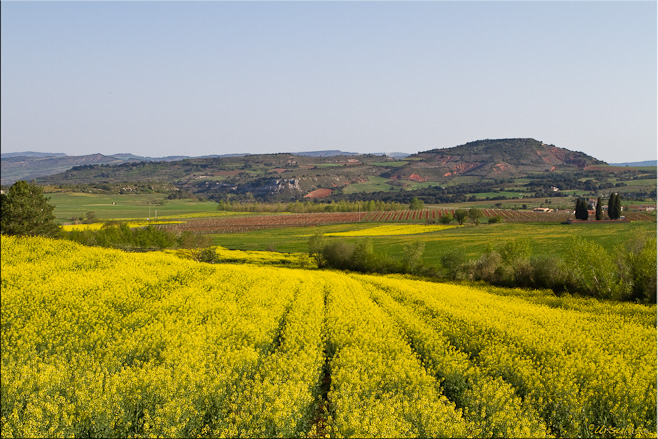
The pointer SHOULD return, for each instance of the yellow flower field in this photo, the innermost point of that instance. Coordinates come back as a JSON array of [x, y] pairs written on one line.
[[131, 224], [103, 343], [393, 229]]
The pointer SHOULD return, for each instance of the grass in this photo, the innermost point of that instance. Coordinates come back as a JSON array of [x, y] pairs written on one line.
[[391, 164], [134, 206], [545, 239], [374, 184], [508, 194]]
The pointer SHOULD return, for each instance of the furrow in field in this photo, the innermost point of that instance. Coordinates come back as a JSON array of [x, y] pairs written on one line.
[[378, 386], [112, 353], [562, 365], [279, 399], [490, 404]]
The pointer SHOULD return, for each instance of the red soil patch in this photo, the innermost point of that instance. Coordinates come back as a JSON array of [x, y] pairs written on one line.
[[416, 177], [319, 193]]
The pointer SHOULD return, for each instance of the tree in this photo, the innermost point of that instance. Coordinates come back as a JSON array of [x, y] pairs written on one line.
[[617, 206], [316, 244], [416, 204], [461, 215], [614, 206], [24, 210], [581, 209], [446, 218], [599, 210], [474, 214], [413, 252]]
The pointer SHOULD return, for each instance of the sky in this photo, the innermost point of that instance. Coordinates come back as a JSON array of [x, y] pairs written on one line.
[[199, 78]]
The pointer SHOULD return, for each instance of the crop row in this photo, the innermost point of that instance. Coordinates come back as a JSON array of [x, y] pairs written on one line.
[[236, 224], [574, 369]]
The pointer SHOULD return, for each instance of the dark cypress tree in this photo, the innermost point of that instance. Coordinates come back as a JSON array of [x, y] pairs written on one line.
[[581, 209], [599, 210], [617, 206], [611, 206]]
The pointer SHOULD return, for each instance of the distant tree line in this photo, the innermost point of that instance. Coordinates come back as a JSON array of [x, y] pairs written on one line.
[[309, 206]]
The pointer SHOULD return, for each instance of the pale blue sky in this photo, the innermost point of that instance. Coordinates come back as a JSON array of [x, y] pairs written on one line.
[[173, 78]]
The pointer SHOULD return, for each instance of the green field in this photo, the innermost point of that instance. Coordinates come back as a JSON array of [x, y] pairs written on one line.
[[374, 184], [137, 206], [545, 239]]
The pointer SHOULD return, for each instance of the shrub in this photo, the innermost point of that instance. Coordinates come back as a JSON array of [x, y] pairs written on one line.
[[637, 265], [338, 254], [455, 263], [208, 255], [461, 215], [549, 272], [474, 214], [446, 218], [486, 267], [413, 252], [316, 245], [362, 258], [592, 271]]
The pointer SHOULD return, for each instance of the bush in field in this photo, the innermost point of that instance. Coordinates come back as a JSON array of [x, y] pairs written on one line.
[[475, 214], [119, 235], [592, 271], [338, 254], [455, 264], [495, 219], [151, 237], [416, 204], [316, 245], [487, 267], [637, 265], [363, 256], [549, 272], [461, 215], [413, 252], [446, 218], [504, 264], [196, 246], [208, 255]]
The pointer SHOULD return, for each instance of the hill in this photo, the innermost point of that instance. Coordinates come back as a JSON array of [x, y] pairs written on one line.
[[487, 167], [494, 159], [30, 165], [637, 164]]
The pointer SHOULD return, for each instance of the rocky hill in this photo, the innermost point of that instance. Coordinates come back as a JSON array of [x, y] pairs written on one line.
[[493, 159], [293, 176]]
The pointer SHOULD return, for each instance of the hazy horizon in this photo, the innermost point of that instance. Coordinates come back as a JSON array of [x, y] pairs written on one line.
[[169, 78]]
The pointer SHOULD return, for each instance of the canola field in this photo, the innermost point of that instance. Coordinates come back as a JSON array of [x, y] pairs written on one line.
[[101, 343], [393, 229], [98, 226]]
